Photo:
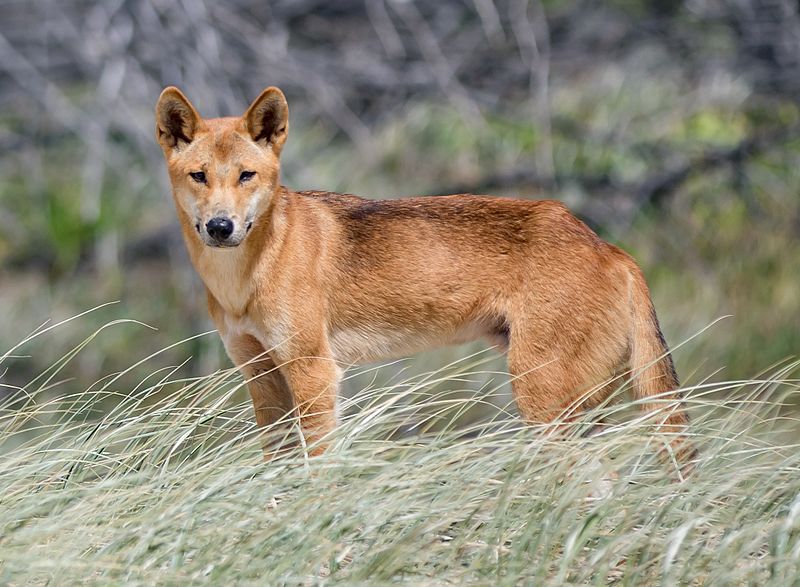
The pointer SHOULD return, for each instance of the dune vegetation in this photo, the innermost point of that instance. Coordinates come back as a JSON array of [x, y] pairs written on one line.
[[147, 477]]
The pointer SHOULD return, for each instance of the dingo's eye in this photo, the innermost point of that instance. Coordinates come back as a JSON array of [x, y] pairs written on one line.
[[246, 176], [198, 176]]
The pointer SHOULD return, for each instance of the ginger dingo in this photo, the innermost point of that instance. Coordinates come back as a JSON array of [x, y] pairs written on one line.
[[301, 284]]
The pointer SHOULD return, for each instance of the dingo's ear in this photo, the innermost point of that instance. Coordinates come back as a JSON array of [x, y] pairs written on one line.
[[176, 118], [267, 119]]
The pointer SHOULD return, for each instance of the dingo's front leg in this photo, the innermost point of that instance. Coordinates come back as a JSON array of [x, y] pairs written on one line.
[[272, 399], [314, 381]]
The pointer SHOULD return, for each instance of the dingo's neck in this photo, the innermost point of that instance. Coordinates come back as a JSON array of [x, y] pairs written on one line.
[[227, 275]]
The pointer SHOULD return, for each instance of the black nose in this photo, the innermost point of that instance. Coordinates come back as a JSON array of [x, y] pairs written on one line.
[[219, 228]]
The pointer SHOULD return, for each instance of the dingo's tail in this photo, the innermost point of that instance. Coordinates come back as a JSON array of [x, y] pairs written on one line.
[[653, 376]]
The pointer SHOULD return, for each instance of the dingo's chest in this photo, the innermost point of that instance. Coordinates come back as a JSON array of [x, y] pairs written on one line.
[[221, 272]]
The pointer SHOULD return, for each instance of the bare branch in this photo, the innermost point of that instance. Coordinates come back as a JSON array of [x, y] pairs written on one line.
[[537, 55]]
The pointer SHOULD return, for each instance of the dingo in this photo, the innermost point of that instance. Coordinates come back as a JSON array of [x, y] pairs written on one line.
[[300, 284]]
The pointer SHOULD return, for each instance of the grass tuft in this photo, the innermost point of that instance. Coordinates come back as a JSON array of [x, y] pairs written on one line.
[[161, 480]]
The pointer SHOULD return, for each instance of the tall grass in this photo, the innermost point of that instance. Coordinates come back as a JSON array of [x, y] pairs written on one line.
[[148, 478]]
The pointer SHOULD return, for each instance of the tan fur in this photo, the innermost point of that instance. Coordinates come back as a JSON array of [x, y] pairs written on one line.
[[321, 280]]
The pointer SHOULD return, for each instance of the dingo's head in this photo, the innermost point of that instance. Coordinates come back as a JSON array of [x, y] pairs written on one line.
[[224, 171]]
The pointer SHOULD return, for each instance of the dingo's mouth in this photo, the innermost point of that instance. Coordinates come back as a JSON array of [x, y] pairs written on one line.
[[225, 245]]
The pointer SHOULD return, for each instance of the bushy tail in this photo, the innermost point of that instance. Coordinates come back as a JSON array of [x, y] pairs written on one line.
[[653, 373]]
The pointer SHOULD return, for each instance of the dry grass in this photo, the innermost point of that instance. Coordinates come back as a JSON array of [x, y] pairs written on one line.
[[162, 481]]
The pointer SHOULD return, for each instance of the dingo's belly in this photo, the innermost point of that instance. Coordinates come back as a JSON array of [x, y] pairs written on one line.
[[368, 343]]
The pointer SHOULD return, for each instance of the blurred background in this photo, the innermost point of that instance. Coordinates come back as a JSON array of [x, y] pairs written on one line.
[[671, 127]]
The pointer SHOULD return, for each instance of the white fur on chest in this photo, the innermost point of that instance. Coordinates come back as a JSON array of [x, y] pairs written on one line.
[[221, 271], [239, 326]]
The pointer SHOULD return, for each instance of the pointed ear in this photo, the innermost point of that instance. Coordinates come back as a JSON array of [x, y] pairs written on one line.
[[267, 119], [176, 119]]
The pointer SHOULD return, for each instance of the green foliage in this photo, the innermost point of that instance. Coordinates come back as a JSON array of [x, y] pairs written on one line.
[[723, 242]]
